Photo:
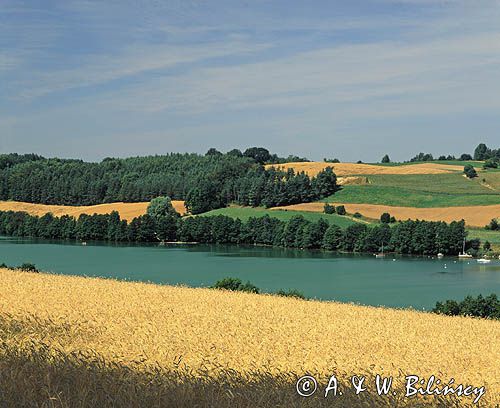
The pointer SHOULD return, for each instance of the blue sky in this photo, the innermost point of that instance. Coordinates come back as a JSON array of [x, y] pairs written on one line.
[[348, 79]]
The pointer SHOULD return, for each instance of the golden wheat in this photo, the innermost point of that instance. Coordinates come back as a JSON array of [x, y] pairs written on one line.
[[214, 334], [354, 169], [127, 211], [474, 215]]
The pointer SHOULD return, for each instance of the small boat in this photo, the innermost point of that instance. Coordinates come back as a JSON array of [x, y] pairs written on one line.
[[463, 254], [440, 256], [483, 261], [380, 254], [84, 243]]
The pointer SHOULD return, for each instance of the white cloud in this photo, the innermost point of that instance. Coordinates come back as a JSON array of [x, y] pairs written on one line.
[[363, 77]]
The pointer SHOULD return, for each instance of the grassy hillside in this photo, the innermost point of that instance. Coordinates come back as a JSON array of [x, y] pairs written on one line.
[[107, 343], [493, 237], [244, 213], [423, 190]]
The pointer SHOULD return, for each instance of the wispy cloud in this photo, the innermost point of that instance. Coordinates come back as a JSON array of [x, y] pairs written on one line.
[[144, 67]]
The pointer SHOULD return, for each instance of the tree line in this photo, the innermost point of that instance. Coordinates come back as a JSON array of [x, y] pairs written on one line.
[[486, 307], [481, 153], [205, 181], [408, 237]]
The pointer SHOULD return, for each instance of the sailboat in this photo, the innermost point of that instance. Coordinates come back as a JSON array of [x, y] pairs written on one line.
[[380, 254], [463, 254]]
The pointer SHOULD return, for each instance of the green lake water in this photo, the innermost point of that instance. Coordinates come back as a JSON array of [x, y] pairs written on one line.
[[394, 282]]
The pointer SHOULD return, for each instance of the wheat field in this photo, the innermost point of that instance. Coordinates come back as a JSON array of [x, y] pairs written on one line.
[[127, 211], [74, 341], [350, 169], [477, 216]]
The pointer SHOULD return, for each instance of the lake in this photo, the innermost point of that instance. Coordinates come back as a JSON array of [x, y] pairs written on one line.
[[393, 281]]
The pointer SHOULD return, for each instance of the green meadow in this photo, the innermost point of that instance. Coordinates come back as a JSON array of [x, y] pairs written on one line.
[[243, 213], [493, 237], [424, 190]]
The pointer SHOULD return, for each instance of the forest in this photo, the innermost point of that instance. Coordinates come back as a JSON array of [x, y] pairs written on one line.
[[205, 182], [407, 237]]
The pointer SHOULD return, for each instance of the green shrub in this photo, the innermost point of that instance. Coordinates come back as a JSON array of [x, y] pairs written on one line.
[[235, 284], [470, 171], [486, 246], [487, 307], [493, 225], [357, 215], [28, 267], [490, 164], [291, 293], [329, 209], [385, 218], [340, 209]]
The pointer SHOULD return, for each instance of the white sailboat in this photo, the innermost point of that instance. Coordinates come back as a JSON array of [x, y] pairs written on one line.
[[381, 254], [463, 254]]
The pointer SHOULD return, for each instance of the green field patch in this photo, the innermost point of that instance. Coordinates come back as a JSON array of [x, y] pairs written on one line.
[[423, 190], [485, 235], [243, 213]]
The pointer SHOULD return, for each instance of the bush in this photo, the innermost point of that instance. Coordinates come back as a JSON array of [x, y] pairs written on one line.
[[392, 220], [329, 209], [470, 171], [490, 164], [291, 293], [385, 218], [488, 307], [235, 284], [357, 215], [28, 267], [340, 209], [486, 246], [386, 159], [248, 287], [493, 225]]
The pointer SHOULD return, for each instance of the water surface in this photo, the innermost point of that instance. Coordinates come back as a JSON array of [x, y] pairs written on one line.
[[395, 282]]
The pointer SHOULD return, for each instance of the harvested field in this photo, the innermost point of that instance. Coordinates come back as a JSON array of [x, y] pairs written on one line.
[[477, 216], [352, 180], [134, 342], [350, 169], [127, 211]]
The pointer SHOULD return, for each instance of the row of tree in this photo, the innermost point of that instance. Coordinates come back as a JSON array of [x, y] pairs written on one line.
[[481, 153], [487, 307], [205, 181], [408, 237]]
